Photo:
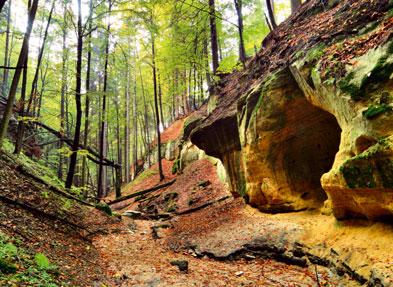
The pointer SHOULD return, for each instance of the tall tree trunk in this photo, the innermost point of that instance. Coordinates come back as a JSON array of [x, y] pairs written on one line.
[[242, 51], [127, 126], [15, 81], [270, 10], [160, 100], [6, 52], [206, 65], [21, 127], [34, 92], [295, 4], [101, 174], [73, 158], [135, 129], [213, 35], [87, 104], [63, 94], [118, 176], [156, 109]]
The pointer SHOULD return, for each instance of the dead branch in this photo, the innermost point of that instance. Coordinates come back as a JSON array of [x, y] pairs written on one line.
[[142, 192]]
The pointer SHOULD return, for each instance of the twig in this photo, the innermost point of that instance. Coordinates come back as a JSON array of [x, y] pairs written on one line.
[[316, 275]]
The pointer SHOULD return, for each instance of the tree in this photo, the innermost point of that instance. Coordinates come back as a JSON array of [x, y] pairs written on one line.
[[34, 92], [242, 51], [156, 108], [270, 10], [295, 4], [6, 51], [213, 35], [15, 81], [75, 145], [101, 189]]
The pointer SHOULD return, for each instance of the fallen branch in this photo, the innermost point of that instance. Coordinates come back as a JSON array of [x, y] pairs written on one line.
[[35, 210], [53, 188], [70, 142], [142, 192]]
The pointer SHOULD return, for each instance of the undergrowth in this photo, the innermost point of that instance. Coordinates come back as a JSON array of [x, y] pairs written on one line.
[[18, 267]]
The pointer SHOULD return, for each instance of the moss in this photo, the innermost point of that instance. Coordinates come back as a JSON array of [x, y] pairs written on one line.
[[316, 52], [385, 169], [176, 166], [379, 74], [375, 110], [105, 208], [358, 174]]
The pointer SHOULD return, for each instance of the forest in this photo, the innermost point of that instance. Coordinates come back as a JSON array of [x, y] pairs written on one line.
[[95, 71], [196, 143]]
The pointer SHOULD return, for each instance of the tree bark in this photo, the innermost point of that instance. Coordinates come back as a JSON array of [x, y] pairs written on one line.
[[242, 51], [63, 94], [6, 52], [295, 4], [270, 10], [33, 92], [213, 35], [101, 192], [156, 109], [75, 146], [15, 81], [87, 103]]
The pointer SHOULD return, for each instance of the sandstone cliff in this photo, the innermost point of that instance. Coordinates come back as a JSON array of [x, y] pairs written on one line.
[[308, 124]]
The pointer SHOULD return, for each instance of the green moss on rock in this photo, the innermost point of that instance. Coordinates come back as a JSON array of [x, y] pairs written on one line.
[[385, 169], [358, 174], [375, 110], [105, 208]]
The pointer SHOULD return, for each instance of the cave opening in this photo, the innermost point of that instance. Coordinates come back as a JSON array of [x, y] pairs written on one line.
[[310, 150]]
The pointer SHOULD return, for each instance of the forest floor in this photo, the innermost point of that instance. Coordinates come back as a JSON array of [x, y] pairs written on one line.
[[223, 241]]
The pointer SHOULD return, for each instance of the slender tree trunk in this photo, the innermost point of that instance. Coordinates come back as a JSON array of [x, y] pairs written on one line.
[[34, 84], [87, 105], [207, 69], [242, 51], [63, 94], [146, 117], [21, 126], [156, 109], [127, 128], [295, 4], [43, 85], [160, 100], [101, 174], [213, 35], [118, 176], [75, 146], [135, 129], [270, 10], [15, 81], [6, 52]]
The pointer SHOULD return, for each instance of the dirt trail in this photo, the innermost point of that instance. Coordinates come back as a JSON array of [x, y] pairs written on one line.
[[134, 258]]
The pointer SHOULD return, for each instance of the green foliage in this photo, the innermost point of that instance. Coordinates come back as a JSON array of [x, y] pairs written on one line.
[[42, 261], [176, 166], [375, 110], [105, 208], [18, 267]]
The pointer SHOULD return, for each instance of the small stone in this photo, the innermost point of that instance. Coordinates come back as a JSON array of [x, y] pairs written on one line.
[[181, 264], [239, 273]]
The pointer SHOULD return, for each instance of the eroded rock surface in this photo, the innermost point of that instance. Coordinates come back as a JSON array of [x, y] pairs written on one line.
[[309, 123]]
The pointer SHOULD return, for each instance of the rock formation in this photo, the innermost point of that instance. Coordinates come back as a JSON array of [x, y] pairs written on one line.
[[308, 124]]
